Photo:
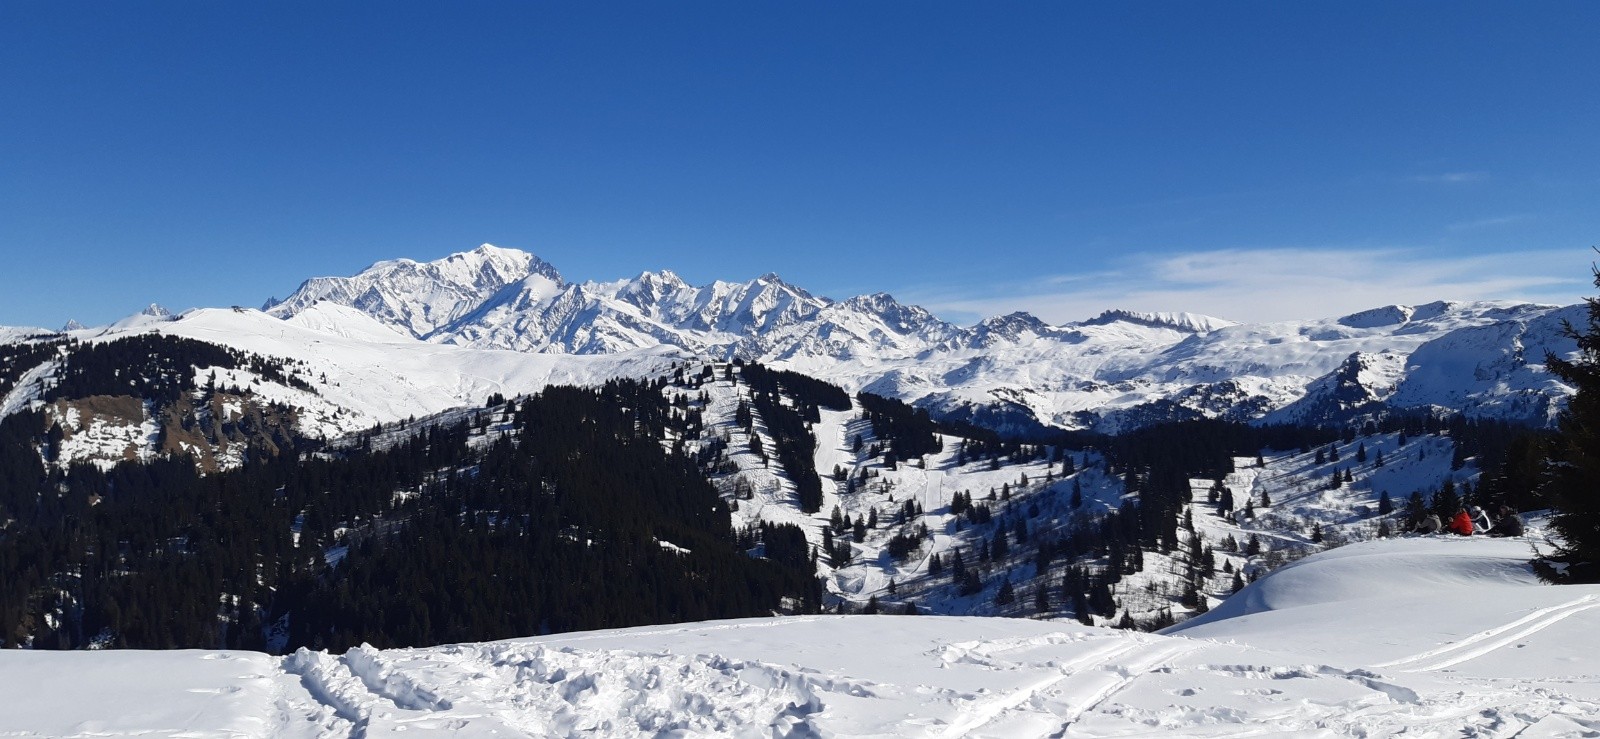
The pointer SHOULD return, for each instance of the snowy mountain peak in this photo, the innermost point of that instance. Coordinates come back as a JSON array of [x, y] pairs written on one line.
[[73, 325], [1194, 323], [650, 288], [905, 318], [422, 297], [156, 310], [1389, 315], [1016, 320]]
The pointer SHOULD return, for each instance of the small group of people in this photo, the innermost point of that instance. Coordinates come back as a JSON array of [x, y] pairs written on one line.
[[1474, 520]]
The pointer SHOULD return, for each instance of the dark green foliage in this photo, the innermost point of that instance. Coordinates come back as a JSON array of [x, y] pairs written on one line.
[[559, 526], [155, 367], [1446, 501], [1574, 485], [909, 431], [1006, 595], [17, 359], [806, 391], [789, 426]]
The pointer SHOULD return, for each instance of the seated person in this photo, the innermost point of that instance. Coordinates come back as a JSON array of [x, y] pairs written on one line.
[[1510, 524]]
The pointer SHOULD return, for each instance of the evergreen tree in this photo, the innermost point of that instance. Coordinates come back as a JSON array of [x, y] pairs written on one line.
[[1006, 596], [1574, 483], [1446, 502], [1416, 509]]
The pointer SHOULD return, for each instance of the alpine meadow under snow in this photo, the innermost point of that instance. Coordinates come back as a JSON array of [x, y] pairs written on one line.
[[1171, 524]]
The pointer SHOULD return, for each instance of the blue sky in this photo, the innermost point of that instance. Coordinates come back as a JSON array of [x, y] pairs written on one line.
[[1252, 160]]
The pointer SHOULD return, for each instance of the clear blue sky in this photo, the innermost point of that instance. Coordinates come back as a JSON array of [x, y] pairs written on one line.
[[1255, 160]]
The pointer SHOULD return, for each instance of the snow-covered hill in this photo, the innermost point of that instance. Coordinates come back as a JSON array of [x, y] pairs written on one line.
[[345, 372], [1421, 636], [1116, 371]]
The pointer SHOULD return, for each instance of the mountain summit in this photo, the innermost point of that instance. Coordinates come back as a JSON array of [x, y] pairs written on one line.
[[421, 297]]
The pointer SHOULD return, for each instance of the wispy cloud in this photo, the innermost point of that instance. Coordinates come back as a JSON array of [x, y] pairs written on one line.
[[1480, 223], [1451, 178], [1277, 284]]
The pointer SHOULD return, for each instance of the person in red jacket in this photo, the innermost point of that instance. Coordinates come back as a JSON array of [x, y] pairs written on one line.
[[1461, 523]]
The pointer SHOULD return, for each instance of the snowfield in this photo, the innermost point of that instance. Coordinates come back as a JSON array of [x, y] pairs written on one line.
[[1420, 636]]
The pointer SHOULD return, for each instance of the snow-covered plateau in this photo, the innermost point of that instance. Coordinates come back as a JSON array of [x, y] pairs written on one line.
[[1424, 636]]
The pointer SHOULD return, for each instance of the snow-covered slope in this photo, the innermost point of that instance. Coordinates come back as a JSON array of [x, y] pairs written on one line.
[[1427, 637], [356, 370]]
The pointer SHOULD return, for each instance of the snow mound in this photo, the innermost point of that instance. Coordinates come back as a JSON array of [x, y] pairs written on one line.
[[1378, 570]]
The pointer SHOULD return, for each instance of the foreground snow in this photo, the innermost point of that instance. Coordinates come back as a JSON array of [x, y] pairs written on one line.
[[1436, 637]]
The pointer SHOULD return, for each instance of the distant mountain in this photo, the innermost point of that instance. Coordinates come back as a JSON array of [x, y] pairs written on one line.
[[1119, 370], [421, 297]]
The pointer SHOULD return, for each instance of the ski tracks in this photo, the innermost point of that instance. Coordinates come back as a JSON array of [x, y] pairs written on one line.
[[353, 691], [1081, 685], [1484, 642]]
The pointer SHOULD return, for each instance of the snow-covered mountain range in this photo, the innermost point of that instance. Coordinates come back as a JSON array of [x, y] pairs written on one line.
[[406, 338], [1118, 370]]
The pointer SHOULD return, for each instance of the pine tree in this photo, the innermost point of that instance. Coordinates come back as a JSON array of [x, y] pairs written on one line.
[[1006, 596], [1574, 484], [1446, 502]]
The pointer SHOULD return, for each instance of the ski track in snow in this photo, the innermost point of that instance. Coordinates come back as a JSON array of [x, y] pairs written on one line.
[[1484, 642]]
